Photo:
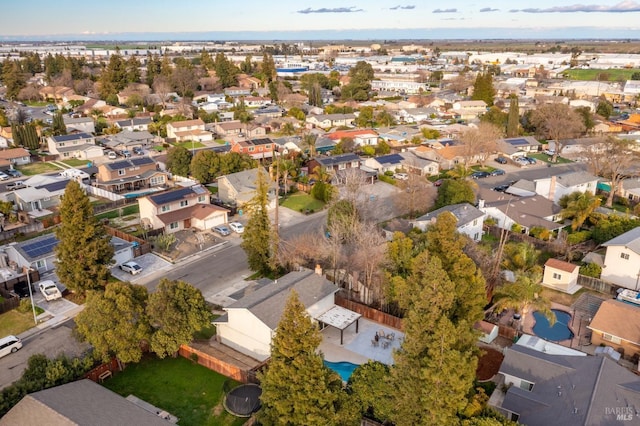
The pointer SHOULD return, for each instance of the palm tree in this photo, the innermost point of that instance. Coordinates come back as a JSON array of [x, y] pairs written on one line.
[[321, 174], [523, 296], [522, 258], [287, 169], [309, 140], [460, 171], [578, 207]]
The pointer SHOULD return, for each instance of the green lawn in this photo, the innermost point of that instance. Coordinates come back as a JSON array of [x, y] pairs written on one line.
[[75, 162], [301, 201], [126, 211], [595, 74], [14, 322], [547, 158], [36, 103], [185, 389], [33, 169], [190, 145]]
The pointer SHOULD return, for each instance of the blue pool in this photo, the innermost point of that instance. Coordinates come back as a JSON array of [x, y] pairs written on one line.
[[344, 369], [559, 331]]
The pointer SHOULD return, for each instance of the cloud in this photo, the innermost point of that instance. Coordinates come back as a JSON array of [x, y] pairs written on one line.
[[407, 7], [622, 7], [488, 9], [445, 11], [327, 10]]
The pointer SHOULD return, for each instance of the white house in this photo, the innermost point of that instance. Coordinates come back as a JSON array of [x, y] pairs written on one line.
[[468, 110], [526, 212], [561, 275], [250, 323], [555, 187], [622, 260], [190, 130], [470, 219], [76, 145]]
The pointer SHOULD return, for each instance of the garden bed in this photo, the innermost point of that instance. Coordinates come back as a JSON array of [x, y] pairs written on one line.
[[489, 364]]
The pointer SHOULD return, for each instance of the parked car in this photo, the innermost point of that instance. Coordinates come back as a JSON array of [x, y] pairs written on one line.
[[9, 345], [438, 182], [497, 172], [138, 151], [401, 176], [501, 160], [12, 186], [112, 155], [501, 188], [531, 160], [49, 290], [221, 230], [522, 161], [549, 152], [237, 227], [480, 175], [4, 176], [131, 267], [13, 173], [125, 153]]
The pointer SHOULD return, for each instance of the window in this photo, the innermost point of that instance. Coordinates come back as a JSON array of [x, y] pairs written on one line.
[[625, 256], [121, 172], [201, 199], [355, 164], [610, 338], [342, 166], [251, 149], [557, 276], [40, 264], [156, 180], [475, 222], [165, 208], [528, 386], [174, 225], [184, 203]]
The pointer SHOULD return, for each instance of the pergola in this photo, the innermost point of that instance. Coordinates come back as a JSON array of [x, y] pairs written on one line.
[[340, 318]]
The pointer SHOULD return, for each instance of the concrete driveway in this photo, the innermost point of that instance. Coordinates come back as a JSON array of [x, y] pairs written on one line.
[[150, 264]]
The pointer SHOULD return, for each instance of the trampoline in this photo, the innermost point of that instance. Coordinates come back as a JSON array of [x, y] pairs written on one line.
[[244, 400]]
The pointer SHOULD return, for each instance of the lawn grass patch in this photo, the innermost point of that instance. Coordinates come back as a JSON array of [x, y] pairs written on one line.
[[302, 202], [547, 158], [185, 389], [598, 74], [33, 169], [189, 144], [75, 162], [133, 209], [14, 322], [158, 148]]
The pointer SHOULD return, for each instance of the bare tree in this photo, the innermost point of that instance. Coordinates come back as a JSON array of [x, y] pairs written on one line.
[[617, 159], [29, 93], [84, 86], [209, 83], [368, 256], [461, 83], [162, 88], [303, 250], [480, 142], [353, 180], [417, 195], [185, 80], [557, 122]]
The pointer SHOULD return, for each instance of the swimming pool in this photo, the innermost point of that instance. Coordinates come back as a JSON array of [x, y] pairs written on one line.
[[343, 368], [559, 331]]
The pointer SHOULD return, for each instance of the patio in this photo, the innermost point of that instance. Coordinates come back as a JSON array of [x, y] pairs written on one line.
[[358, 347]]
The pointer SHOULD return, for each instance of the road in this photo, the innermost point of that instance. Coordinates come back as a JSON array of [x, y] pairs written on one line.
[[538, 171], [52, 342]]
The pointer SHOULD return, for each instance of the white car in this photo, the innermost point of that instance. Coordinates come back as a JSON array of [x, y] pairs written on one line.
[[401, 176], [237, 227], [10, 344], [49, 290], [131, 267], [4, 176], [112, 155]]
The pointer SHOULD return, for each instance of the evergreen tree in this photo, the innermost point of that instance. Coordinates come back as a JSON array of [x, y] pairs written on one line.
[[483, 88], [268, 68], [114, 77], [206, 61], [454, 191], [225, 70], [58, 127], [179, 160], [176, 310], [297, 388], [12, 77], [114, 322], [256, 240], [132, 70], [514, 117], [84, 252]]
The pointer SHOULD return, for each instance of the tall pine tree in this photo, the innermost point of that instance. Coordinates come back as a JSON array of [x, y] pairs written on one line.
[[58, 126], [84, 252], [483, 88], [513, 120], [256, 240]]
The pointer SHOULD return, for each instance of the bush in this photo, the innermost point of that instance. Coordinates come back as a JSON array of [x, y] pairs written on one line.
[[540, 233], [591, 270], [25, 306], [164, 241], [578, 237], [388, 179]]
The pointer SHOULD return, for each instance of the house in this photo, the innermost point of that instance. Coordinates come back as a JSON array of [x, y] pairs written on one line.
[[523, 212], [240, 187], [41, 193], [189, 130], [560, 275], [287, 144], [448, 157], [127, 140], [250, 323], [235, 92], [179, 209], [617, 325], [488, 331], [256, 148], [134, 124], [269, 111], [622, 260], [468, 110], [385, 163], [335, 163], [239, 129], [630, 189], [361, 137], [555, 187], [82, 402], [254, 101], [469, 219], [130, 174], [546, 389], [14, 157], [418, 165], [416, 115], [79, 124], [521, 144], [90, 105], [327, 121], [76, 145]]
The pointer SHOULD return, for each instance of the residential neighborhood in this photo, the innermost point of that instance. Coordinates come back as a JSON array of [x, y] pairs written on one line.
[[387, 233]]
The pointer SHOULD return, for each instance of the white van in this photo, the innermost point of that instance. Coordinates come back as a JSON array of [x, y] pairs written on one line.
[[9, 344]]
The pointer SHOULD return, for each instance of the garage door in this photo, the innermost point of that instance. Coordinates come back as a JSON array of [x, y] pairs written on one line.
[[122, 256], [214, 221]]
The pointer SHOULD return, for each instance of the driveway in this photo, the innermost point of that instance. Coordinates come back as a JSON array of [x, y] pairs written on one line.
[[150, 264]]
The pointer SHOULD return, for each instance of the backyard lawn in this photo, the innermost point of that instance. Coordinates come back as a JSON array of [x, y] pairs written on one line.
[[14, 322], [189, 144], [37, 168], [75, 162], [547, 158], [301, 202], [126, 211], [183, 388]]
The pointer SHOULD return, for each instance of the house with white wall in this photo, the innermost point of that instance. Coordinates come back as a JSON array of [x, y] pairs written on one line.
[[470, 219], [75, 145], [468, 110], [526, 212], [560, 275], [555, 187], [189, 130], [622, 260]]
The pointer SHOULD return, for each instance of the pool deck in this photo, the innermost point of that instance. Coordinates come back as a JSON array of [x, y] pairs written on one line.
[[357, 348]]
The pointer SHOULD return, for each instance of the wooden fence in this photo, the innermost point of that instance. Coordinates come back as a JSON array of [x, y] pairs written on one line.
[[370, 313], [597, 285], [217, 365], [142, 247], [506, 331], [9, 301], [103, 371]]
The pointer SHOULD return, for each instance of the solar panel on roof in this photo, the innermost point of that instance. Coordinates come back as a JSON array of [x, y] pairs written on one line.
[[140, 161], [169, 196], [518, 142], [41, 247], [55, 186]]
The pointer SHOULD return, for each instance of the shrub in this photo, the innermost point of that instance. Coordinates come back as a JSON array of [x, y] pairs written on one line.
[[25, 306], [578, 237], [164, 241], [540, 233], [591, 270]]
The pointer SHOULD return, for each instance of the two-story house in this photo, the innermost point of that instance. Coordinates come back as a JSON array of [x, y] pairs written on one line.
[[235, 129], [131, 174], [77, 145], [189, 130], [235, 91], [327, 121], [79, 124], [240, 187], [256, 148], [336, 163], [134, 124], [555, 187], [468, 110], [180, 209], [622, 260]]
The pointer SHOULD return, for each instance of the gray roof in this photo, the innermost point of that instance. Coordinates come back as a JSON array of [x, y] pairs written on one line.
[[568, 390], [464, 212], [268, 303], [528, 211], [243, 181], [79, 403], [575, 178], [630, 239]]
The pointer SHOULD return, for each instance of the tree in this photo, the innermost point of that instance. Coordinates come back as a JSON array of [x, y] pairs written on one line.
[[557, 122], [587, 118], [115, 322], [179, 160], [369, 388], [522, 258], [513, 120], [523, 296], [454, 191], [578, 206], [12, 77], [483, 88], [635, 75], [58, 127], [604, 108], [84, 252], [176, 310], [256, 240], [617, 159], [481, 141], [496, 117], [297, 388]]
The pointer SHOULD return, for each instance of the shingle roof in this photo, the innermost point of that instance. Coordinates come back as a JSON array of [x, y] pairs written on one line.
[[630, 239], [561, 265], [464, 213], [619, 319], [575, 178]]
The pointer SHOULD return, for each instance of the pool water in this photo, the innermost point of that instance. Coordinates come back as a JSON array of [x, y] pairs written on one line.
[[344, 369], [559, 331]]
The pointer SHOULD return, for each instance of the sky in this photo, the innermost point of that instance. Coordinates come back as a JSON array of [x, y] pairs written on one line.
[[292, 19]]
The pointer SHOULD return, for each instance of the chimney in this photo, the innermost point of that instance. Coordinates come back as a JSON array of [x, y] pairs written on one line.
[[481, 203], [552, 189], [318, 269]]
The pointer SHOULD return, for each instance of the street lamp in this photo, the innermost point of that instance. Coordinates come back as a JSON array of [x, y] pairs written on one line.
[[33, 307]]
